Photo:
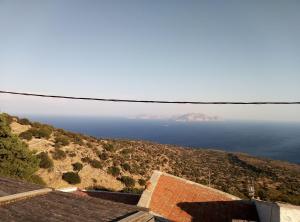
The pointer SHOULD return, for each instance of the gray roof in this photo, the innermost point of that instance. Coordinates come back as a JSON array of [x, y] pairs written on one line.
[[58, 206], [12, 186]]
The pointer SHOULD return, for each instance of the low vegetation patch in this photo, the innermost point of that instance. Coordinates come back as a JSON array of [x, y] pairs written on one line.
[[45, 161], [71, 178], [115, 171], [58, 154], [77, 166], [132, 190], [96, 164], [142, 182], [16, 160], [126, 166], [128, 181], [103, 156], [61, 141], [24, 121], [109, 147], [27, 135]]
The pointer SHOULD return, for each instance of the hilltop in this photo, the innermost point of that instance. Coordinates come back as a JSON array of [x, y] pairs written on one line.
[[87, 162]]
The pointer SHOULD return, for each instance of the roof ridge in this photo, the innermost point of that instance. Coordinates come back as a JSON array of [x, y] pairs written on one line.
[[23, 195]]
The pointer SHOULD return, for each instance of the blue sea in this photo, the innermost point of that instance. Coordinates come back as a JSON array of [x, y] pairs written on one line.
[[275, 140]]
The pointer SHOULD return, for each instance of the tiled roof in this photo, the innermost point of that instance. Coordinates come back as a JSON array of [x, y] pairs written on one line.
[[58, 206], [178, 199]]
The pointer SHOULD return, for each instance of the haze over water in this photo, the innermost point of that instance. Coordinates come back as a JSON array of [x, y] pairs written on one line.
[[275, 140]]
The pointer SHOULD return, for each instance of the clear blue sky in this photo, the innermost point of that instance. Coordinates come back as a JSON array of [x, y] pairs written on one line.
[[185, 50]]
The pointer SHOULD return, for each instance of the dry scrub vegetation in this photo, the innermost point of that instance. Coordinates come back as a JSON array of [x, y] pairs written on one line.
[[88, 162]]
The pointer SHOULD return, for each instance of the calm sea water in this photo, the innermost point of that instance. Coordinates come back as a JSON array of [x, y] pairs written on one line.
[[276, 140]]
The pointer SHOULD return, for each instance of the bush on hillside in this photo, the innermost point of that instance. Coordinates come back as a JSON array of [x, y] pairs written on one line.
[[61, 141], [103, 156], [8, 118], [42, 132], [132, 190], [24, 121], [37, 180], [142, 182], [78, 140], [108, 147], [126, 166], [16, 160], [77, 166], [71, 178], [86, 159], [27, 135], [45, 161], [58, 154], [115, 171], [96, 164], [126, 151], [128, 181]]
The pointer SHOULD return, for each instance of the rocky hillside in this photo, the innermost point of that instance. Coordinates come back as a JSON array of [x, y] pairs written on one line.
[[87, 162]]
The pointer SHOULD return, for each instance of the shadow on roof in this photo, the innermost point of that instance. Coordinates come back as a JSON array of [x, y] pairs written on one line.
[[216, 211]]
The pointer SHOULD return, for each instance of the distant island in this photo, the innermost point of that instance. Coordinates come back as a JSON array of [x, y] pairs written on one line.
[[188, 117], [196, 117]]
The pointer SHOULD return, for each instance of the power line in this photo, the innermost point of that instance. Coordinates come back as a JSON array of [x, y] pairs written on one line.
[[149, 101]]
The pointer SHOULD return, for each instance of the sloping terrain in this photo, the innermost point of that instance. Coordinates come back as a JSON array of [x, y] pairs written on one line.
[[88, 162]]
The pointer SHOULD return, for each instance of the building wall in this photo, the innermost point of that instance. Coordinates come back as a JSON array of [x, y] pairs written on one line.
[[289, 213]]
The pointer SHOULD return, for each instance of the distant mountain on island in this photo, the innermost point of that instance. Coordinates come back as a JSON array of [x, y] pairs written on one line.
[[196, 117], [188, 117]]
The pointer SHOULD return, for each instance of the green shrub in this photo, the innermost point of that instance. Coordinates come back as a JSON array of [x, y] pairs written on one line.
[[37, 180], [45, 161], [108, 147], [103, 156], [128, 181], [126, 166], [8, 118], [24, 121], [96, 164], [132, 190], [77, 166], [126, 151], [86, 159], [115, 171], [58, 154], [71, 177], [41, 132], [78, 140], [16, 160], [142, 182], [61, 141], [26, 135]]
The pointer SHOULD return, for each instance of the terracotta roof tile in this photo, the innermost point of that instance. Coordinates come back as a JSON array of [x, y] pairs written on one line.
[[181, 200]]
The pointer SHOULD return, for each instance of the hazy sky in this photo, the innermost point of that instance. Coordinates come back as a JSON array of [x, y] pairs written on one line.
[[167, 49]]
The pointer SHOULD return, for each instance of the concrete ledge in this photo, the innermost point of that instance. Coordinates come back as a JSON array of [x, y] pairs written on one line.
[[147, 194], [18, 196]]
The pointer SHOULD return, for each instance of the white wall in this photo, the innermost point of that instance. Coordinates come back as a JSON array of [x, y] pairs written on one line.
[[289, 213], [277, 212]]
